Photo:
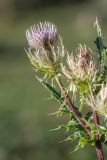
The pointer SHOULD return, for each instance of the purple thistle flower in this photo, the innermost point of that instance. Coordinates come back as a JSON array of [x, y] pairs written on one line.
[[42, 35]]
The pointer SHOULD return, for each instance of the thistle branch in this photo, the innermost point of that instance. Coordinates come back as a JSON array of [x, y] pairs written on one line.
[[76, 114]]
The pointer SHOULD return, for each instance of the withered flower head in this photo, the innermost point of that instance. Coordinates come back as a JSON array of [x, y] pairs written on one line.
[[84, 57], [80, 65], [41, 35], [80, 69]]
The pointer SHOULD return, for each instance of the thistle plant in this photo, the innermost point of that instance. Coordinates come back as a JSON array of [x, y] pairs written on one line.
[[85, 74]]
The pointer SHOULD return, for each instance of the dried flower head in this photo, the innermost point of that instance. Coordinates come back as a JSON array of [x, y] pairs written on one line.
[[43, 54], [81, 69], [84, 58], [80, 66], [42, 35]]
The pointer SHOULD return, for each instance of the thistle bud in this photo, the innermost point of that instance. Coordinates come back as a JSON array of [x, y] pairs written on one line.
[[80, 70], [99, 102], [43, 53], [80, 66]]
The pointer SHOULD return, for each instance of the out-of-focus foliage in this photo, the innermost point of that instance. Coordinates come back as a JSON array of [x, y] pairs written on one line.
[[19, 4]]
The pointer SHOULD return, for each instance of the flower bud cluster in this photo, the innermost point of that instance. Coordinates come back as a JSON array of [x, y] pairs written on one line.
[[46, 53]]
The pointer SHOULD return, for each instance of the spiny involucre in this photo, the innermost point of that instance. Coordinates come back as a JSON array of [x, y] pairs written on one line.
[[81, 65], [80, 69], [43, 53], [99, 102]]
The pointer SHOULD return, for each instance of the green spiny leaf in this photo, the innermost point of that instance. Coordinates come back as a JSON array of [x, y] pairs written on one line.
[[56, 94]]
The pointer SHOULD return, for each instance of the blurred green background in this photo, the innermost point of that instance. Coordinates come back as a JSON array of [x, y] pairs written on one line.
[[24, 104]]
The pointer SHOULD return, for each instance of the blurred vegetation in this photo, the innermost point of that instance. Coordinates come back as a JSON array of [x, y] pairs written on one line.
[[24, 108]]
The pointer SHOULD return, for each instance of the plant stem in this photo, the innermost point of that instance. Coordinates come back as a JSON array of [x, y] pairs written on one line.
[[83, 123], [99, 150], [76, 114]]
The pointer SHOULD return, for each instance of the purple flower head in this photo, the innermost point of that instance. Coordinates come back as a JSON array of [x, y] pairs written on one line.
[[42, 35]]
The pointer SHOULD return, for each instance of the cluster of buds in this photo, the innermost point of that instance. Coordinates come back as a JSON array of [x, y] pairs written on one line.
[[46, 53], [43, 53]]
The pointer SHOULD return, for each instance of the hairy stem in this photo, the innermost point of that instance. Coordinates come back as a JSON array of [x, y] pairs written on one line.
[[76, 114], [99, 150]]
